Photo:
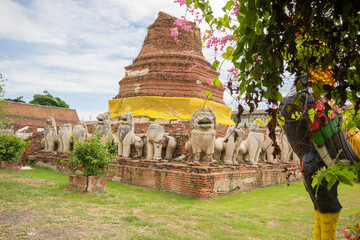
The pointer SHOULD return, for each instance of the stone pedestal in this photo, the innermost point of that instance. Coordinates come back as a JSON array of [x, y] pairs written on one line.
[[91, 184], [10, 166]]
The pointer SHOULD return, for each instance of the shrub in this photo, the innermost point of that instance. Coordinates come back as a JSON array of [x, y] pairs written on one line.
[[93, 155], [11, 147]]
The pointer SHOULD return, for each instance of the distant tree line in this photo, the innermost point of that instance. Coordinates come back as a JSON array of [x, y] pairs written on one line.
[[45, 99]]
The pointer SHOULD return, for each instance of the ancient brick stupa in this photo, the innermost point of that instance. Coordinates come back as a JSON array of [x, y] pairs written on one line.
[[168, 78]]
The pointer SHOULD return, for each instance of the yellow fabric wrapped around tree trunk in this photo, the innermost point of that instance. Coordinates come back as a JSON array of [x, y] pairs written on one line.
[[168, 108]]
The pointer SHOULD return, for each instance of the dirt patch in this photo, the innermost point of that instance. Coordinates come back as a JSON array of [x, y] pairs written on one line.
[[15, 217], [253, 238], [272, 223], [34, 182], [68, 233], [27, 181]]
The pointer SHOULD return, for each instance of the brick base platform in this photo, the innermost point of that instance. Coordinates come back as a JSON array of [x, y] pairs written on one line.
[[195, 181], [10, 166], [91, 184]]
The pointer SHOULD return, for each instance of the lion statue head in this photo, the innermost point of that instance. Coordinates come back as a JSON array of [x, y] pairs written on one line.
[[126, 119], [51, 124], [203, 118]]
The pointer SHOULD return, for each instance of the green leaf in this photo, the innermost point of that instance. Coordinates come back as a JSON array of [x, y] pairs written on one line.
[[344, 179], [259, 28], [225, 21], [215, 65], [208, 18], [188, 2], [215, 81], [331, 182], [208, 94], [311, 113], [279, 97]]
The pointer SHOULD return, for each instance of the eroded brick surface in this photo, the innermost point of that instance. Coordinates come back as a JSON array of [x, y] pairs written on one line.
[[169, 68], [196, 181]]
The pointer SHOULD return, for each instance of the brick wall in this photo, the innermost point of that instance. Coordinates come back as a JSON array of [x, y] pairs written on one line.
[[194, 181], [35, 115]]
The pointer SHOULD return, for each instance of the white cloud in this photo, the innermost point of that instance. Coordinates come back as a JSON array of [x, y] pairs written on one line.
[[16, 24], [77, 46]]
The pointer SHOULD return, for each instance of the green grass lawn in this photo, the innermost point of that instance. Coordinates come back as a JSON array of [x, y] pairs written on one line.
[[36, 205]]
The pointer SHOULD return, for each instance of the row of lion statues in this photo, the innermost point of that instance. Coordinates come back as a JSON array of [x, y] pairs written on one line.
[[202, 145]]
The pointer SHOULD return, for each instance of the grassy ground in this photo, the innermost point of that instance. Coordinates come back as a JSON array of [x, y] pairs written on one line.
[[36, 205]]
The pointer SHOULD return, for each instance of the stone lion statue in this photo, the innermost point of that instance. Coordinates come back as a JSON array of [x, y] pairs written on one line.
[[80, 132], [126, 137], [65, 132], [103, 126], [227, 148], [156, 140], [250, 149], [202, 136], [50, 135]]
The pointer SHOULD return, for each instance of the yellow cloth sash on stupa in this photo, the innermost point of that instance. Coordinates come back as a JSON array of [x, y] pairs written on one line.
[[168, 108]]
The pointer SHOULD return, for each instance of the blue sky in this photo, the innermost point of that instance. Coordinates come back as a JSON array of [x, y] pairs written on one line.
[[75, 49]]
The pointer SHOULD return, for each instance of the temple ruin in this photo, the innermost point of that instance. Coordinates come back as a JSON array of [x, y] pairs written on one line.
[[168, 134], [169, 76]]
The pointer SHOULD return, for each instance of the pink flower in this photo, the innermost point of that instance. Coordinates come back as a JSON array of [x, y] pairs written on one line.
[[181, 2], [209, 81], [182, 22], [207, 67], [174, 33]]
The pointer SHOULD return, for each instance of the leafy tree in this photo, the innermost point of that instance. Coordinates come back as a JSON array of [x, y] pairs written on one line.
[[17, 99], [47, 99], [269, 42]]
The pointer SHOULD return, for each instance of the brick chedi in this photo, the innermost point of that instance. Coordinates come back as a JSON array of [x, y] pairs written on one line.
[[169, 68]]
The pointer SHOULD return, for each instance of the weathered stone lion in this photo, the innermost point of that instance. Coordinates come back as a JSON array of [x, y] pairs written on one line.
[[202, 137], [267, 149], [103, 126], [65, 132], [50, 135], [227, 148], [80, 132], [126, 137], [156, 140], [250, 148]]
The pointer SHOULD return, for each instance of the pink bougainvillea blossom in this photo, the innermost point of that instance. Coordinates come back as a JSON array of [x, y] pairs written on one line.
[[234, 74], [181, 2], [209, 81], [207, 67], [182, 22], [235, 8], [174, 33]]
